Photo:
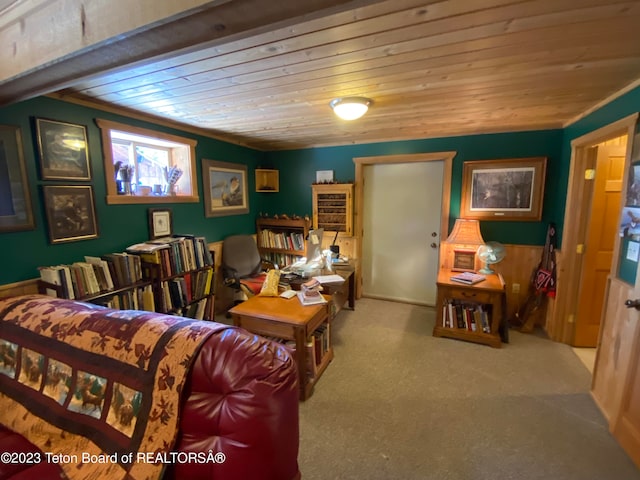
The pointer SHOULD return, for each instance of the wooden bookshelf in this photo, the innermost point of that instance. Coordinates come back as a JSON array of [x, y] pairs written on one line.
[[460, 306], [282, 241]]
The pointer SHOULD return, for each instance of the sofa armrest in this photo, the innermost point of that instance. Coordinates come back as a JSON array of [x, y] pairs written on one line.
[[241, 399]]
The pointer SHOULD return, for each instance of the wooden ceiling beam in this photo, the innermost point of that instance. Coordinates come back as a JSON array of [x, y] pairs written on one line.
[[53, 46]]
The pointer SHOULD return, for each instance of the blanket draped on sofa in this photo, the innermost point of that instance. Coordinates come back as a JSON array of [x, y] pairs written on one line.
[[99, 393]]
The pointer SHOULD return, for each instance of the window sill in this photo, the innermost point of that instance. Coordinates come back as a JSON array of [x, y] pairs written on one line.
[[138, 199]]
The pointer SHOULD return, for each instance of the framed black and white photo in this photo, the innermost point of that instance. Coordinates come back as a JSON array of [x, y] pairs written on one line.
[[160, 223], [63, 150], [509, 189], [225, 188], [71, 213], [15, 200]]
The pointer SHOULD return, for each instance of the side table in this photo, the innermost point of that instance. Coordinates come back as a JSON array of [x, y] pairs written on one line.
[[489, 295]]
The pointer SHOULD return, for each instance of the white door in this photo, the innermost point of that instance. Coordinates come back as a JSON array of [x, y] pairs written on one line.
[[402, 205]]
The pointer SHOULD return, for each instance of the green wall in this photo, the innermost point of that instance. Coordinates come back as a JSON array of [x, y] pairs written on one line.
[[122, 225], [297, 173], [118, 225]]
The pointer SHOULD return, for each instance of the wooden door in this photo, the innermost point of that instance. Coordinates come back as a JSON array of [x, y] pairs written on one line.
[[616, 379], [627, 426], [401, 220], [600, 240]]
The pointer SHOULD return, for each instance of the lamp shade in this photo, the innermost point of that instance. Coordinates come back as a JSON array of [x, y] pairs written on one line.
[[466, 232], [350, 108]]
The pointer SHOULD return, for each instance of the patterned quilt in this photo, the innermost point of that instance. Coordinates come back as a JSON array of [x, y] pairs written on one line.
[[97, 390]]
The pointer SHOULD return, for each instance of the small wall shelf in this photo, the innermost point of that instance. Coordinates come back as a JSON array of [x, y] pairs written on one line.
[[267, 180]]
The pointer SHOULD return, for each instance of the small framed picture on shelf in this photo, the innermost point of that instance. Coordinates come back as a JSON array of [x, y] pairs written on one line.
[[324, 176], [160, 223], [464, 260], [71, 214], [63, 150]]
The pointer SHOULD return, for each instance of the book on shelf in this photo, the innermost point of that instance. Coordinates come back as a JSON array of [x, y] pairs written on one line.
[[469, 278]]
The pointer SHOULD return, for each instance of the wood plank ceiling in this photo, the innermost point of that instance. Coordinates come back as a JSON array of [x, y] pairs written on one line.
[[432, 68]]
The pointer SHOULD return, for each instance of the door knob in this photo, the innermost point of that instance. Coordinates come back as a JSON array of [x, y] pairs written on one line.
[[633, 304], [434, 234], [434, 245]]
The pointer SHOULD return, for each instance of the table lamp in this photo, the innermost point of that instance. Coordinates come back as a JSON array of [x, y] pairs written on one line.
[[465, 237]]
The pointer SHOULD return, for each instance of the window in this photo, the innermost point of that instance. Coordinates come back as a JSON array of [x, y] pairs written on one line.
[[144, 166]]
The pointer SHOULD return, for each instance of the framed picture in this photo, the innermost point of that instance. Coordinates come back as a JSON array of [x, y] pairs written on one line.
[[70, 213], [225, 186], [324, 176], [63, 149], [160, 223], [15, 199], [464, 260], [503, 189]]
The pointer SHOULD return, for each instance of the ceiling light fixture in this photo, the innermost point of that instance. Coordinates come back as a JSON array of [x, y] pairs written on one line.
[[350, 108]]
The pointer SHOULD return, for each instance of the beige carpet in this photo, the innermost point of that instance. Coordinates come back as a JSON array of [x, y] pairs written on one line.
[[397, 403]]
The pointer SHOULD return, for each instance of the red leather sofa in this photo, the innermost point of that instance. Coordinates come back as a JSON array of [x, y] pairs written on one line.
[[240, 398]]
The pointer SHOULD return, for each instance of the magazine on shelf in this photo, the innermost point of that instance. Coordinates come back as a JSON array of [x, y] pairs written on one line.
[[468, 277]]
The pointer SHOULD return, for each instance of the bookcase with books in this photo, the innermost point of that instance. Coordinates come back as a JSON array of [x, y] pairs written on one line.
[[182, 274], [470, 311], [282, 240], [171, 275], [113, 280]]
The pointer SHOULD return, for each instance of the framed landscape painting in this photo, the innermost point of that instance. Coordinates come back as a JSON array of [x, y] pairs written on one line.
[[225, 186], [510, 189], [15, 200], [63, 149], [71, 213]]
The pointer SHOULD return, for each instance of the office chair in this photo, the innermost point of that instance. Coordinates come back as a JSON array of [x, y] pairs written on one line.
[[242, 267]]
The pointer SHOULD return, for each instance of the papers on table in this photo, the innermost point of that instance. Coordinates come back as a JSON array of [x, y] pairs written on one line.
[[329, 278]]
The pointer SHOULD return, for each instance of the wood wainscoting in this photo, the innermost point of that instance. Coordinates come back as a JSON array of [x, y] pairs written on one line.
[[25, 287]]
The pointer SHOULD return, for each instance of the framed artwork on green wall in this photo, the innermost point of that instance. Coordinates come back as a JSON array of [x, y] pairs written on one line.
[[509, 189], [63, 149], [15, 200], [71, 213], [225, 188]]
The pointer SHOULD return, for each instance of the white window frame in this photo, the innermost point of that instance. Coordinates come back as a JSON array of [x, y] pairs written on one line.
[[106, 126]]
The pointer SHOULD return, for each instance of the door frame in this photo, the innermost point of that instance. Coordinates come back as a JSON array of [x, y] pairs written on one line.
[[361, 162], [561, 326]]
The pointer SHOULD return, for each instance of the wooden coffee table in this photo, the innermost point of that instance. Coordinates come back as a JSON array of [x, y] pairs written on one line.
[[287, 319]]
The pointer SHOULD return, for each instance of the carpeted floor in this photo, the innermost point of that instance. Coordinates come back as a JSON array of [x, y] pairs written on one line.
[[397, 403]]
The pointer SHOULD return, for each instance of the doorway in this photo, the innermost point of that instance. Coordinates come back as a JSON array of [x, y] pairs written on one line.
[[595, 183], [381, 269]]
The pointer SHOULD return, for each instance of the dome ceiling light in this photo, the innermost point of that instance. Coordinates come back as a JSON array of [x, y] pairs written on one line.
[[350, 108]]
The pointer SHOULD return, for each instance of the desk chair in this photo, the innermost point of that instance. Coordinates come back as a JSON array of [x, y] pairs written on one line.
[[242, 267]]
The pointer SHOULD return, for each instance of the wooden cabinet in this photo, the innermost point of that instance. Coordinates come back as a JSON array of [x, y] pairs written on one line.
[[333, 207], [282, 241], [470, 312], [267, 180]]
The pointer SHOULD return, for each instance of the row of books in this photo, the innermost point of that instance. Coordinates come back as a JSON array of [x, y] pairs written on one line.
[[318, 345], [179, 292], [140, 298], [281, 259], [93, 276], [282, 240], [200, 310], [175, 255], [468, 316]]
